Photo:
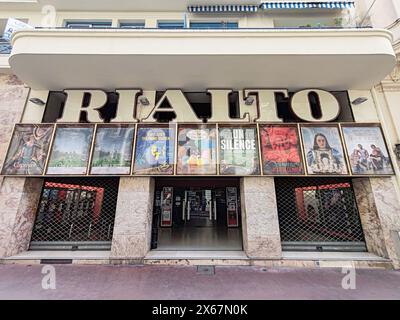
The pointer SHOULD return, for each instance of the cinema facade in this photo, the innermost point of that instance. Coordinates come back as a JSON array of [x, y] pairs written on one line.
[[263, 157]]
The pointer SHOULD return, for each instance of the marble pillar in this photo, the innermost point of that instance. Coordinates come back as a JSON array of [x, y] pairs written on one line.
[[379, 209], [19, 198], [13, 96], [133, 218], [369, 216], [260, 224], [388, 207]]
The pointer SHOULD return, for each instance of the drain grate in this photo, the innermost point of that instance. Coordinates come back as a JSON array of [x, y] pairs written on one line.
[[56, 261], [209, 270]]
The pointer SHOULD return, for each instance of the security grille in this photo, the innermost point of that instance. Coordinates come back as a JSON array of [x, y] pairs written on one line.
[[318, 214], [76, 213]]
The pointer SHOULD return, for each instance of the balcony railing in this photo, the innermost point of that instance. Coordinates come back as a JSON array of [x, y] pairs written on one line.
[[5, 46]]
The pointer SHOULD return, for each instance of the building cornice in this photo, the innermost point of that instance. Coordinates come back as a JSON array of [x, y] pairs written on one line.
[[388, 86]]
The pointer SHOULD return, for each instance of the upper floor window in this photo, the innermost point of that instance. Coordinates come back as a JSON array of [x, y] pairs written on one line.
[[170, 24], [132, 25], [214, 25], [87, 24]]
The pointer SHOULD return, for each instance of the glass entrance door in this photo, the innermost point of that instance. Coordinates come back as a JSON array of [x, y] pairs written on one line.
[[199, 208], [191, 216]]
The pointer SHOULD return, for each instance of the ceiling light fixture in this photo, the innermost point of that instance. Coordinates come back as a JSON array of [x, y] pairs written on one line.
[[37, 101], [249, 101], [359, 100], [144, 101]]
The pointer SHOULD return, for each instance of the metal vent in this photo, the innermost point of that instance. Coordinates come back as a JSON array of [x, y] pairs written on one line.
[[76, 213], [318, 214]]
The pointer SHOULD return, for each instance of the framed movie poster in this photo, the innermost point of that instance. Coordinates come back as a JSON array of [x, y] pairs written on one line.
[[154, 153], [323, 150], [366, 149], [112, 152], [196, 150], [232, 207], [238, 151], [280, 149], [70, 151], [28, 149], [166, 207]]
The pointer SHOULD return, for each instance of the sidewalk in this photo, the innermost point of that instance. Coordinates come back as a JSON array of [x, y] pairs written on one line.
[[166, 282]]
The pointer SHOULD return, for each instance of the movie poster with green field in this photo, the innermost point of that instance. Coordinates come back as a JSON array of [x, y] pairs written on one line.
[[70, 152], [238, 151], [112, 152]]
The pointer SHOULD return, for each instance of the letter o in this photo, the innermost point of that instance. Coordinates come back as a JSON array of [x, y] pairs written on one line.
[[301, 107]]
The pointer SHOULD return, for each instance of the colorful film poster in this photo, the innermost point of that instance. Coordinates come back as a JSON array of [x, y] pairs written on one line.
[[323, 150], [238, 150], [155, 151], [281, 152], [196, 151], [70, 152], [28, 150], [367, 150], [112, 150]]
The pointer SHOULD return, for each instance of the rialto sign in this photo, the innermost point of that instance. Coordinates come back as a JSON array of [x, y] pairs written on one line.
[[256, 105]]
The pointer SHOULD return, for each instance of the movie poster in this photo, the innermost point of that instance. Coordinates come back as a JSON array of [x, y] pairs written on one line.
[[367, 150], [196, 151], [323, 150], [238, 151], [70, 152], [28, 150], [281, 152], [155, 151], [112, 152]]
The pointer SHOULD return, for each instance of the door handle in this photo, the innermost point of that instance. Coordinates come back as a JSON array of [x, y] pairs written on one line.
[[210, 209], [188, 211], [183, 210]]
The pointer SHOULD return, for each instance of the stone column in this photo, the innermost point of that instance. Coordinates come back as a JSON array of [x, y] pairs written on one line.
[[12, 100], [19, 198], [261, 237], [379, 210], [133, 218]]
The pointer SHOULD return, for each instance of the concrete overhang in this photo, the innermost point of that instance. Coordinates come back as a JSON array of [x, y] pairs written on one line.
[[337, 59]]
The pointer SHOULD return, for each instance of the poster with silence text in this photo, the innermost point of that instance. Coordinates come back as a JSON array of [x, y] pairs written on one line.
[[281, 152], [154, 152], [196, 150], [70, 151], [238, 150], [323, 150], [367, 150], [28, 150], [112, 152]]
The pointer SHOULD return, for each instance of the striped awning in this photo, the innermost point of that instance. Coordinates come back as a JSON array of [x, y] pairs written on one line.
[[308, 5], [223, 8]]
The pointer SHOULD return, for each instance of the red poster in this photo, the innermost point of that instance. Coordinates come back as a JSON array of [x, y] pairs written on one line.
[[281, 150]]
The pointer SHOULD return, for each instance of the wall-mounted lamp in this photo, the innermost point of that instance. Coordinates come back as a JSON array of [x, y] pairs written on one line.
[[249, 101], [37, 101], [144, 101], [359, 100], [397, 150]]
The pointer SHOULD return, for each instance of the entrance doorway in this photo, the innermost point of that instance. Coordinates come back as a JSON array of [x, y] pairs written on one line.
[[197, 214]]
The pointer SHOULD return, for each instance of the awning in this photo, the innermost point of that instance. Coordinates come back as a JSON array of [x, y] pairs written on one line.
[[308, 5], [223, 8]]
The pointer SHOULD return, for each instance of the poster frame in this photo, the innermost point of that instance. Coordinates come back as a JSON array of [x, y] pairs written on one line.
[[92, 149], [239, 125], [366, 125], [322, 125]]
